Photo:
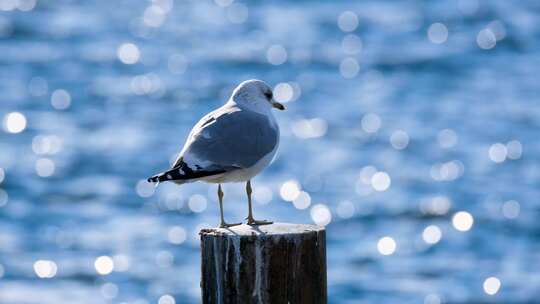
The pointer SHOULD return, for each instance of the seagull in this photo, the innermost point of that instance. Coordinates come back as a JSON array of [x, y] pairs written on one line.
[[230, 144]]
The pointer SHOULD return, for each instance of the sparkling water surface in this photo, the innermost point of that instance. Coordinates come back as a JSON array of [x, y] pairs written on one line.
[[411, 131]]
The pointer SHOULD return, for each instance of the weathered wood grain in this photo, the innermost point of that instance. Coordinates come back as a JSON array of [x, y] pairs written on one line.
[[278, 263]]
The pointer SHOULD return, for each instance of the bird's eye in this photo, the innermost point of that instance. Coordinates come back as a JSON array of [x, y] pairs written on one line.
[[268, 95]]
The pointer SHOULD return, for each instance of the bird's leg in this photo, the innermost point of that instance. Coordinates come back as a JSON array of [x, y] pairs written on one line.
[[250, 219], [220, 197]]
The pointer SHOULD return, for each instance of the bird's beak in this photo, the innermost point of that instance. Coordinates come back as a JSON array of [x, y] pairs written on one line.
[[278, 105]]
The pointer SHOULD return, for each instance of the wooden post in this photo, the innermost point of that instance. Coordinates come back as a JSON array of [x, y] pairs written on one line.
[[278, 263]]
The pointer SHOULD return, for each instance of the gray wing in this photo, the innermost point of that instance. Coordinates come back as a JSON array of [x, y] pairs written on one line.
[[230, 137]]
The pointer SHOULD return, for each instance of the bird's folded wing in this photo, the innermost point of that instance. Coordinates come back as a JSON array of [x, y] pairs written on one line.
[[229, 137]]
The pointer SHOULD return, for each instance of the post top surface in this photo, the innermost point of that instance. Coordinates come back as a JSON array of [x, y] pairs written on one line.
[[273, 229]]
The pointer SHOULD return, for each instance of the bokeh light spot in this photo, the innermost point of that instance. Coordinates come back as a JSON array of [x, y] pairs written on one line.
[[351, 44], [491, 285], [347, 21], [366, 173], [144, 188], [514, 149], [302, 201], [386, 245], [128, 53], [437, 33], [197, 203], [283, 92], [432, 234], [104, 265], [43, 145], [45, 269], [486, 39], [438, 205], [349, 68], [290, 190], [109, 290], [177, 235], [276, 54], [60, 99], [399, 140], [447, 138], [45, 167], [380, 181], [321, 215], [497, 153], [166, 299], [462, 221], [371, 123], [14, 122]]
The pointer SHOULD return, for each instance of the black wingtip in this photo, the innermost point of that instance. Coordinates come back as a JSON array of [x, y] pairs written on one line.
[[153, 179]]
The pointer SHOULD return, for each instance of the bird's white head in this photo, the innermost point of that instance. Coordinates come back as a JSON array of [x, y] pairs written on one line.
[[255, 95]]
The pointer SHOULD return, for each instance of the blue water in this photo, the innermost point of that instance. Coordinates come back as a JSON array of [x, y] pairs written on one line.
[[459, 99]]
